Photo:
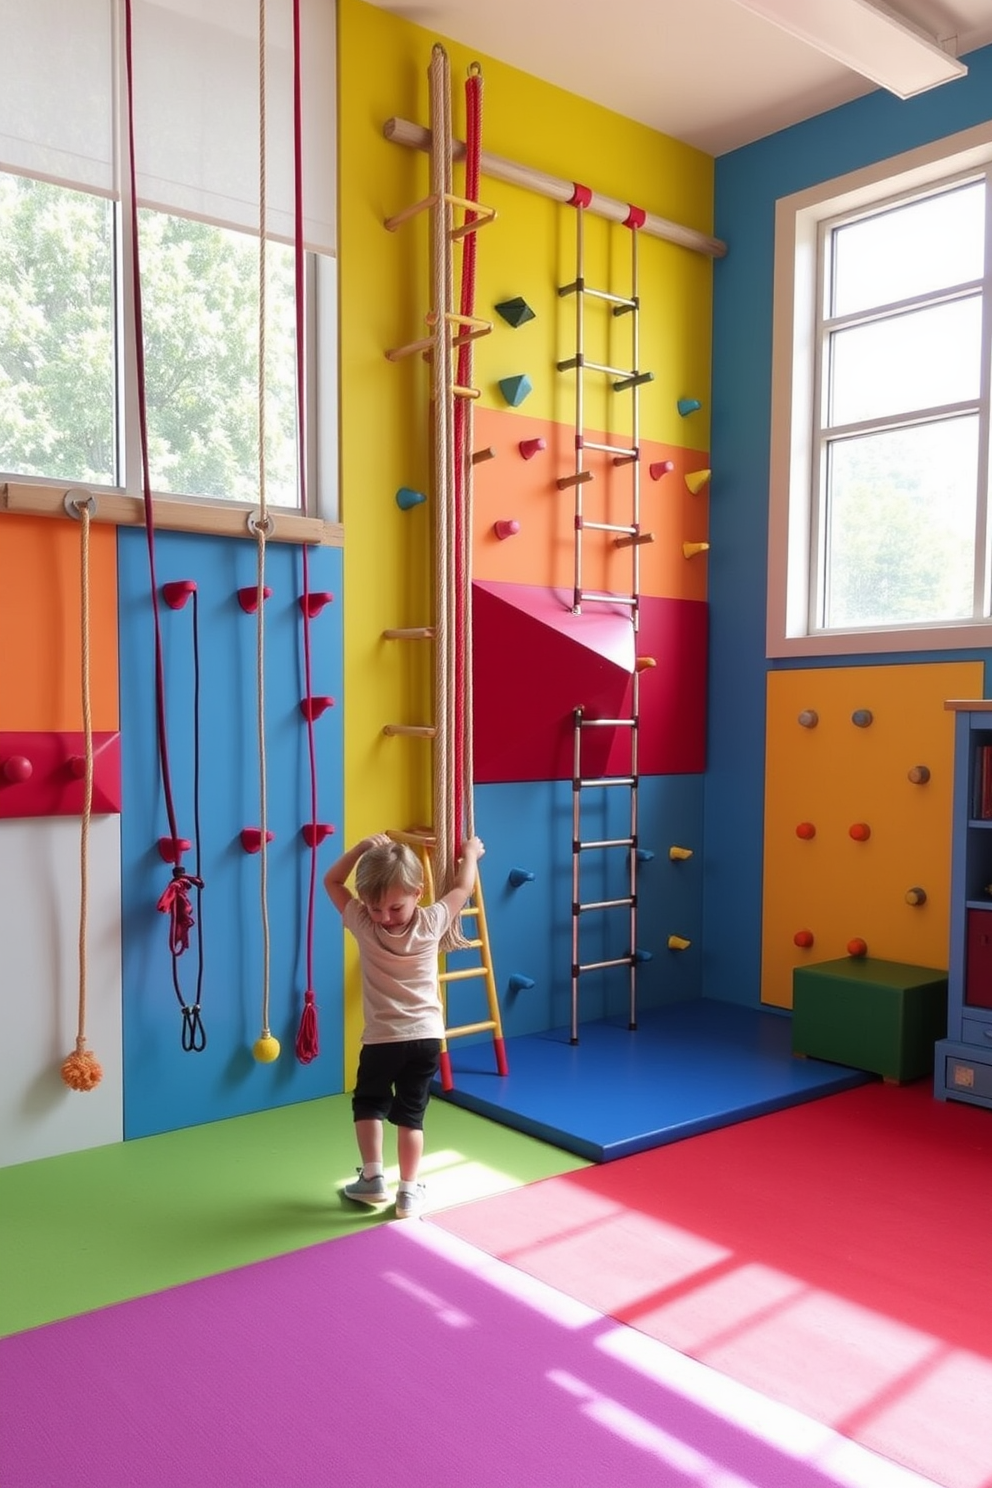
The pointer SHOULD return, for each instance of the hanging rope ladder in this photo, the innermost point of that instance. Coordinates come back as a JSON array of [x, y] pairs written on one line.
[[628, 536], [449, 351]]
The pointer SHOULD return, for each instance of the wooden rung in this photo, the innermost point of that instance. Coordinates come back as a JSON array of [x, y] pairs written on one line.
[[465, 975], [480, 455], [392, 223], [415, 837], [475, 322], [465, 392], [410, 633], [630, 542], [397, 353], [482, 216], [456, 341], [451, 1033], [413, 730], [579, 479]]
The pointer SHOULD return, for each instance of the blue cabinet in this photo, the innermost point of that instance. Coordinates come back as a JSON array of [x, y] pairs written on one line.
[[963, 1061]]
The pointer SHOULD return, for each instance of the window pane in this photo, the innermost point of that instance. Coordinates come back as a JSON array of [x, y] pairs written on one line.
[[909, 250], [199, 293], [900, 525], [921, 360], [57, 379]]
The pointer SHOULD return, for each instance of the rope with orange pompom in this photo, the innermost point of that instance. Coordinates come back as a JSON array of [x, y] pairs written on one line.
[[81, 1070]]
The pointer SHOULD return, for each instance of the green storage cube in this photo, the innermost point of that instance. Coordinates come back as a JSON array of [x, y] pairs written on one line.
[[882, 1016]]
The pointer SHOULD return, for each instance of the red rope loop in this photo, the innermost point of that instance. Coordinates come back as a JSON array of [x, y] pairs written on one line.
[[175, 902], [581, 195]]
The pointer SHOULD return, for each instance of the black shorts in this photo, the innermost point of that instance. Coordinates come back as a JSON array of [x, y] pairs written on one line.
[[394, 1081]]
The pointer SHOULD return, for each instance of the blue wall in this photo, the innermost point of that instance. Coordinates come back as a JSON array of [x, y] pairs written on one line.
[[748, 183], [164, 1086], [529, 826]]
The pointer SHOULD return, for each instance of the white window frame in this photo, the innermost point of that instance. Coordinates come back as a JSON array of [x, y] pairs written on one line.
[[28, 492], [797, 295]]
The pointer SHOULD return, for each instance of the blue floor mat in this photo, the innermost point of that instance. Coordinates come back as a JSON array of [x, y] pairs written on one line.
[[687, 1068]]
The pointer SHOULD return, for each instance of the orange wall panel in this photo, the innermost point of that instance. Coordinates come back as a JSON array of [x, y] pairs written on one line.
[[510, 487], [40, 602], [837, 775]]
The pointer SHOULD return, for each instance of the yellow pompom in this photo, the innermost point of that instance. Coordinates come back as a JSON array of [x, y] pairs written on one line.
[[266, 1048], [81, 1070]]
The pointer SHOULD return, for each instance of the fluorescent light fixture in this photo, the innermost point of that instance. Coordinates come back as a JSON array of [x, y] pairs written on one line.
[[869, 38]]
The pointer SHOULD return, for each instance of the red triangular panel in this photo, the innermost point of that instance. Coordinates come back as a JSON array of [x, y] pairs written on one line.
[[534, 664]]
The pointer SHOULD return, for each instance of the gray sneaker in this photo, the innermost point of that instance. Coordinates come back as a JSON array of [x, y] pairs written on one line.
[[371, 1191], [409, 1205]]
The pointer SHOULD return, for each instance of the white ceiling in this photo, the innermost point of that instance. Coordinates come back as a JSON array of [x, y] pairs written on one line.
[[704, 71]]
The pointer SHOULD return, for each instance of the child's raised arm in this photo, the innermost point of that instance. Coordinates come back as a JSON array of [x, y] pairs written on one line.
[[335, 877], [465, 870]]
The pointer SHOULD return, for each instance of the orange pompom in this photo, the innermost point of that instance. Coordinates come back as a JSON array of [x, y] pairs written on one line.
[[82, 1070]]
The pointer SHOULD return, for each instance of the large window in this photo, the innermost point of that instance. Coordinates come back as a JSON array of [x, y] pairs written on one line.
[[880, 536], [68, 347]]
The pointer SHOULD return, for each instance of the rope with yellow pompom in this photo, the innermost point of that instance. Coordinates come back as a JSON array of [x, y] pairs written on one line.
[[81, 1070], [266, 1047]]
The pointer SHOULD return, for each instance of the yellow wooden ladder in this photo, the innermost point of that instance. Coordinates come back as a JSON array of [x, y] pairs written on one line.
[[477, 940]]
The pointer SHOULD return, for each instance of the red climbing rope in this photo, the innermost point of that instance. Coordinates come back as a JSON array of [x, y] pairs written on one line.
[[463, 455], [175, 900]]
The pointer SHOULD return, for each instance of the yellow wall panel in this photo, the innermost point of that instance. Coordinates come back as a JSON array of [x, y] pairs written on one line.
[[529, 250], [837, 775], [40, 597]]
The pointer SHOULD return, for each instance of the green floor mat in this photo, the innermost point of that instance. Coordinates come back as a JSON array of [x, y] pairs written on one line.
[[91, 1228]]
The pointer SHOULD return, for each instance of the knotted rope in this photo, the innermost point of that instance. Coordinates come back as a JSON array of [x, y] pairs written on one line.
[[266, 1048], [81, 1069], [453, 810]]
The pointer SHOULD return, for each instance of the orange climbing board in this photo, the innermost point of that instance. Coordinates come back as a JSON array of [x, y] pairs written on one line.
[[41, 657]]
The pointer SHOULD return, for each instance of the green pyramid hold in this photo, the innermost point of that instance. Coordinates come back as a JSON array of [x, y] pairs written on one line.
[[515, 312], [515, 389]]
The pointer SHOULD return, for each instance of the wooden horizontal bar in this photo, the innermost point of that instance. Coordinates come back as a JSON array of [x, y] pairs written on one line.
[[171, 514], [410, 633], [411, 730], [417, 137]]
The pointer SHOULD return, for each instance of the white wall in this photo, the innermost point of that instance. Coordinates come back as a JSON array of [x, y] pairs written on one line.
[[39, 986]]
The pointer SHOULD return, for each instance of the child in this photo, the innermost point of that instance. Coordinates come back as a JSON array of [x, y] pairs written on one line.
[[404, 1026]]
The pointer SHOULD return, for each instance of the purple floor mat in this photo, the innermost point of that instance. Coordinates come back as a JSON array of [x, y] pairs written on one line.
[[400, 1353]]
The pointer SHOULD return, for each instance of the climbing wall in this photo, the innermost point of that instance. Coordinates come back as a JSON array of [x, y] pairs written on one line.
[[858, 770], [166, 1086]]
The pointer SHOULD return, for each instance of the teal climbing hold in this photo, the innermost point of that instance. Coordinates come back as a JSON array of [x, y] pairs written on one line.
[[407, 497], [515, 312], [515, 389]]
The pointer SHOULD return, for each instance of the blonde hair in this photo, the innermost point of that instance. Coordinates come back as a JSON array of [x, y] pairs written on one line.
[[393, 865]]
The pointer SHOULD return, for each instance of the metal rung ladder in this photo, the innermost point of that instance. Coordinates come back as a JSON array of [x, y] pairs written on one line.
[[477, 941], [623, 535]]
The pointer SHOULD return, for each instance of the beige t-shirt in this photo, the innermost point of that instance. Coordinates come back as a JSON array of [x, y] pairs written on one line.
[[400, 996]]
